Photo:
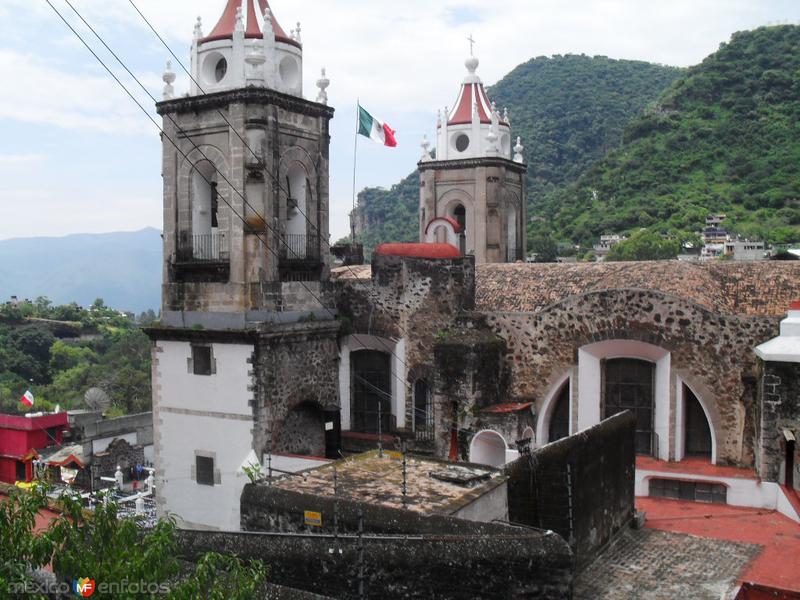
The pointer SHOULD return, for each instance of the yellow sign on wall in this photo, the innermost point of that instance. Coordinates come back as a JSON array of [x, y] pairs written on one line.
[[313, 519]]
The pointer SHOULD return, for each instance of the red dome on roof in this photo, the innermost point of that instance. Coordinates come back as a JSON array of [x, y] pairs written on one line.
[[418, 250], [227, 23]]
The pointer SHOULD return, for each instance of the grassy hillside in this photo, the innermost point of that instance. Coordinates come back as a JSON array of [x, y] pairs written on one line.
[[569, 110], [723, 138]]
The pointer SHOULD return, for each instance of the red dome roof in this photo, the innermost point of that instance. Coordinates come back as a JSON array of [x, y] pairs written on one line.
[[227, 23], [418, 250], [462, 111]]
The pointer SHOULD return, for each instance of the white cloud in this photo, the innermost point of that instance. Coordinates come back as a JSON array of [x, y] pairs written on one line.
[[18, 160]]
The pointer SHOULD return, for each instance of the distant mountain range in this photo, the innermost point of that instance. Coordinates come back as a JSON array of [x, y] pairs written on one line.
[[124, 269]]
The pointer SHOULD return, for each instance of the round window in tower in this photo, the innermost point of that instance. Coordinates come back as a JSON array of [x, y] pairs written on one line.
[[221, 69], [461, 142]]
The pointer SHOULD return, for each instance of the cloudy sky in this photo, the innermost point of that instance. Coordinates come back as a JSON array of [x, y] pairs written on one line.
[[76, 155]]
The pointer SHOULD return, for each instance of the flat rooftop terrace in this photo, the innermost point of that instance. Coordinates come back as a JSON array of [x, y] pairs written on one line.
[[432, 486]]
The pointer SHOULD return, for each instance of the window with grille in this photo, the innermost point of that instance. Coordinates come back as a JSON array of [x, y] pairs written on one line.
[[696, 491], [204, 468]]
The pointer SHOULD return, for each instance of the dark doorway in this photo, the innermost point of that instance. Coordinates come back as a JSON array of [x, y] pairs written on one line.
[[371, 391], [423, 415], [559, 418], [790, 449], [698, 432], [22, 471], [460, 215], [629, 385]]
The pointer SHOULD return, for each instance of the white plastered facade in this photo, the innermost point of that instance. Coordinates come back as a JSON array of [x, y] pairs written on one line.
[[202, 415]]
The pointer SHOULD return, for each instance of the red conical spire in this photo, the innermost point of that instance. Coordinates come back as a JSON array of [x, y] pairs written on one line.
[[227, 23]]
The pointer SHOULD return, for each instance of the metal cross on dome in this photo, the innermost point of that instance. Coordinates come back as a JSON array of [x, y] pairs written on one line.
[[471, 41]]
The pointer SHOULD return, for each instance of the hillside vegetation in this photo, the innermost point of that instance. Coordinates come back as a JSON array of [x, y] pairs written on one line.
[[59, 352], [569, 110], [724, 138]]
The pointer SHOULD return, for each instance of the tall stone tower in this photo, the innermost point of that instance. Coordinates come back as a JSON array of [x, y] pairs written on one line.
[[244, 358], [473, 195]]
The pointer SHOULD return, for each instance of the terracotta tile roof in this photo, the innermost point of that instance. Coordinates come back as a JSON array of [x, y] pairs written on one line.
[[509, 407], [765, 288]]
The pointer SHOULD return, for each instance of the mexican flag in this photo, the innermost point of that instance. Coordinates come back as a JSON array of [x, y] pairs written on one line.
[[27, 399], [376, 130]]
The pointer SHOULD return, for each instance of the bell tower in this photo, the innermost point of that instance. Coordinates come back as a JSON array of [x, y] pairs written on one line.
[[244, 356], [246, 179], [473, 194]]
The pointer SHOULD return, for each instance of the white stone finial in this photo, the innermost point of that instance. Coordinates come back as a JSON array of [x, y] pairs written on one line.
[[472, 64], [322, 83], [118, 478], [198, 28], [505, 116], [297, 33], [239, 20], [426, 153], [439, 118], [169, 79], [518, 151]]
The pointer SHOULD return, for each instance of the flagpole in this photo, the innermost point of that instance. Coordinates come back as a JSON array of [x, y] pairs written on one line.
[[355, 158]]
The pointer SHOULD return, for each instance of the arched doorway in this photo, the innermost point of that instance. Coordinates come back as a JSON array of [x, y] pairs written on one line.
[[559, 417], [630, 385], [296, 212], [302, 432], [697, 432], [488, 448], [371, 389]]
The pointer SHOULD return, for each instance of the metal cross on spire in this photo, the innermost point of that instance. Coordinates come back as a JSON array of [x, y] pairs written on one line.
[[471, 41]]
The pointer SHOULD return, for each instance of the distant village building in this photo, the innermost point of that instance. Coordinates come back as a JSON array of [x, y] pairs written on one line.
[[603, 247], [746, 250]]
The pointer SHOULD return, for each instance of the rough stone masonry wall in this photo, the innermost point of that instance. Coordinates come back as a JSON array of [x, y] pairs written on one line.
[[581, 487], [711, 352], [417, 567], [411, 298], [780, 409], [296, 373]]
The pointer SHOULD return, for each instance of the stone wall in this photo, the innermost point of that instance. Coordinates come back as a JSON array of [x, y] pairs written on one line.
[[581, 487], [296, 375], [413, 299], [711, 352], [780, 410], [523, 565], [406, 554], [118, 454]]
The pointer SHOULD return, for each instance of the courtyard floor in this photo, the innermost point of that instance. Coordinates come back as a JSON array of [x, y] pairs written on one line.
[[694, 550]]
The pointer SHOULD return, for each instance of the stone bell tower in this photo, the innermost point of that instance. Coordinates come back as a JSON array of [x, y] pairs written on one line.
[[473, 195], [244, 357], [246, 192]]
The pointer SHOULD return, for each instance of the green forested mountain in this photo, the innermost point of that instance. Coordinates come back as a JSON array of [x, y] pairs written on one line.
[[724, 138], [569, 110]]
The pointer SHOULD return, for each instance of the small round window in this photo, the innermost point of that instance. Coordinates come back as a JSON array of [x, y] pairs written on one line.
[[462, 142], [221, 69]]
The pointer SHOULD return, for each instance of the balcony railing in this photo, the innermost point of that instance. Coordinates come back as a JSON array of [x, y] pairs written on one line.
[[207, 247], [299, 247]]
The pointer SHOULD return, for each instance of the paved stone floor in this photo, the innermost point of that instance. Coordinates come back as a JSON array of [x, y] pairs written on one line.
[[648, 564]]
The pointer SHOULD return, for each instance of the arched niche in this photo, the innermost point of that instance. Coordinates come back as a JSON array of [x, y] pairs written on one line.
[[688, 399], [488, 448], [553, 409]]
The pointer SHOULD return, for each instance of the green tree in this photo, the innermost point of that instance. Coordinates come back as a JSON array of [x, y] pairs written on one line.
[[644, 245], [544, 247]]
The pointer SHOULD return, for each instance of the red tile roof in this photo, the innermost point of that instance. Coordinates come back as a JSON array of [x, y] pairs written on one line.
[[762, 288], [508, 407], [418, 250]]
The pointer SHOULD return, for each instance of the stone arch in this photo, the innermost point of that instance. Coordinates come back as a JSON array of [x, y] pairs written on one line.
[[710, 410], [488, 448], [447, 204], [302, 431], [214, 156], [296, 165], [549, 407]]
